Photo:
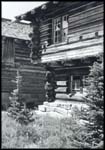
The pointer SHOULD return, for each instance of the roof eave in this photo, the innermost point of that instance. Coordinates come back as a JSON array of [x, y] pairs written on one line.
[[29, 13]]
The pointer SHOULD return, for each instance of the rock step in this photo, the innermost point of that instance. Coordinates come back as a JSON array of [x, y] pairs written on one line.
[[65, 104], [58, 104], [60, 110]]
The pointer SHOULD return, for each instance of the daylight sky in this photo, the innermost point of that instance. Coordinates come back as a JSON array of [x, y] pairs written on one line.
[[11, 9]]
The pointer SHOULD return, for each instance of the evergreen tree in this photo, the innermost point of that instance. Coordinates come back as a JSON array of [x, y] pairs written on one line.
[[17, 109], [94, 115]]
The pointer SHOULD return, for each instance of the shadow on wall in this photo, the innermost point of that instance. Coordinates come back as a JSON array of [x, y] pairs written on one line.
[[5, 100], [31, 102]]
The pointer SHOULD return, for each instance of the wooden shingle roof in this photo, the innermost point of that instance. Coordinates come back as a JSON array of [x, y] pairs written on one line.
[[15, 30]]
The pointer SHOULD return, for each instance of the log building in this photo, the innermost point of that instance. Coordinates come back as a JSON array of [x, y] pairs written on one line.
[[16, 55], [67, 38]]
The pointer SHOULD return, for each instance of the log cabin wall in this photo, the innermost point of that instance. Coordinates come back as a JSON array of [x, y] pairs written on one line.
[[84, 42], [33, 76], [83, 17]]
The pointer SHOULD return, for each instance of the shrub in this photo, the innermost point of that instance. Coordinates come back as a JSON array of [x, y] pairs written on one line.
[[17, 109]]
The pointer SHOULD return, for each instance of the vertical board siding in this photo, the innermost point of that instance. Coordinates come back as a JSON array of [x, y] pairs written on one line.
[[33, 76]]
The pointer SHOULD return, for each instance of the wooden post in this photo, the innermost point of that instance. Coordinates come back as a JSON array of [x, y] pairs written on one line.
[[81, 84], [71, 83], [50, 85], [68, 84]]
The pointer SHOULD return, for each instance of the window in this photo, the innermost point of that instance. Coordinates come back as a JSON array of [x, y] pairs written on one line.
[[60, 29], [7, 50], [77, 83]]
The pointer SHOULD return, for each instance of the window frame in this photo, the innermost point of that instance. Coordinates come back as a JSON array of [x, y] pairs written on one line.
[[53, 31], [71, 83]]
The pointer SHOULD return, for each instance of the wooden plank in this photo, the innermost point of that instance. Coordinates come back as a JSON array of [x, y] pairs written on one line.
[[71, 83], [87, 13], [79, 44], [34, 83], [94, 27], [45, 26], [88, 35], [22, 55], [86, 21], [61, 89], [20, 50], [84, 37], [44, 35], [45, 39], [74, 54], [87, 18], [22, 58], [101, 33], [84, 7], [61, 83], [62, 96]]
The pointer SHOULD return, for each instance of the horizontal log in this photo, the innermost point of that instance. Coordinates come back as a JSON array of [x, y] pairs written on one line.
[[61, 83], [79, 44], [78, 70], [95, 26], [44, 39], [74, 54], [22, 47], [86, 21], [33, 79], [22, 56], [61, 89], [7, 74], [19, 51], [30, 73], [34, 83], [47, 25], [44, 35], [84, 37], [73, 39], [60, 78], [35, 91], [87, 13], [101, 33], [86, 29], [30, 85], [62, 96], [45, 32], [84, 7]]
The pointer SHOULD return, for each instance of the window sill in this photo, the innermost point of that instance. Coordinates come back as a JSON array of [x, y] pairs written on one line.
[[58, 44]]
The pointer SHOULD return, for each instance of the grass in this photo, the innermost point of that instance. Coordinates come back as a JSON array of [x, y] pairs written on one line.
[[44, 132]]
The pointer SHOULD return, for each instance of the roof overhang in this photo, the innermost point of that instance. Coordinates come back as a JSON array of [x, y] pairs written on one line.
[[33, 12]]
